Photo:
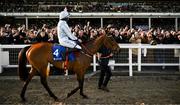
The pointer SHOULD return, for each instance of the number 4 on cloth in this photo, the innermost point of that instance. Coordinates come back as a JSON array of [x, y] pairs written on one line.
[[56, 52]]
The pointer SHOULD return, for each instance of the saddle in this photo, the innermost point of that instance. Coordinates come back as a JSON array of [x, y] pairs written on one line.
[[61, 53]]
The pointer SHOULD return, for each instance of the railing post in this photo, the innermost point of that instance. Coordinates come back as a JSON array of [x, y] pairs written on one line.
[[1, 58], [111, 63], [101, 22], [139, 58], [130, 62], [145, 51], [94, 62]]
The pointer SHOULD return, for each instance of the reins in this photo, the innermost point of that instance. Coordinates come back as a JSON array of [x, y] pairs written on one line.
[[87, 51]]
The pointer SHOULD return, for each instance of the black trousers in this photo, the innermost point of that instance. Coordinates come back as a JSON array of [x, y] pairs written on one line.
[[105, 75]]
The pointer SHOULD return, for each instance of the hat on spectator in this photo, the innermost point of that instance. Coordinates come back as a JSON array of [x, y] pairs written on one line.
[[64, 14]]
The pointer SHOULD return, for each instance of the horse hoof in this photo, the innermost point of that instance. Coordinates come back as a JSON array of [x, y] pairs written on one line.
[[85, 96], [55, 98], [68, 95], [23, 99]]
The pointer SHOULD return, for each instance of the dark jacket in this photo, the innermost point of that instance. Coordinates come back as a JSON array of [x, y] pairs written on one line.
[[105, 52]]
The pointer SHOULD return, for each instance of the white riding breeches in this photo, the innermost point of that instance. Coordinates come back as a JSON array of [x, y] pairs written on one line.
[[69, 43]]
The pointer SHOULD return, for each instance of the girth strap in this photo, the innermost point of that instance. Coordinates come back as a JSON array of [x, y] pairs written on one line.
[[66, 60]]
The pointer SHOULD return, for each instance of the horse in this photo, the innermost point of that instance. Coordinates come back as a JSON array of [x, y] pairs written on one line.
[[40, 54]]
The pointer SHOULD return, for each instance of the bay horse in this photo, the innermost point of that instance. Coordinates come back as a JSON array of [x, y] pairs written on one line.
[[40, 54]]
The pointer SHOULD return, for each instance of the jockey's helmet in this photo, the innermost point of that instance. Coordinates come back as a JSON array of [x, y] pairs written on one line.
[[64, 14]]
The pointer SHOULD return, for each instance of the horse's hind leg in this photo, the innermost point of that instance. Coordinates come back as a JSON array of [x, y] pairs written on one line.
[[31, 74], [44, 83]]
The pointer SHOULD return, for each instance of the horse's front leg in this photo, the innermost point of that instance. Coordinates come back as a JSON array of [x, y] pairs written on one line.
[[80, 79], [72, 92], [81, 85]]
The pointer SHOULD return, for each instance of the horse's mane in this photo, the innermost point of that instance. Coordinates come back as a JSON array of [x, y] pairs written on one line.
[[88, 41], [91, 40]]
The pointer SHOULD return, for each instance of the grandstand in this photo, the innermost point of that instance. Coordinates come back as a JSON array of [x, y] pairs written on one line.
[[149, 12], [26, 10], [90, 6]]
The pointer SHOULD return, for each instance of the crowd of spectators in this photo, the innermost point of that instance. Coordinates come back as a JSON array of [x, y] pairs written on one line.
[[19, 35], [110, 6]]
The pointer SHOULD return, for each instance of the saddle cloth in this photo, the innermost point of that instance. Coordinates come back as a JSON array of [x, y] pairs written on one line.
[[59, 53]]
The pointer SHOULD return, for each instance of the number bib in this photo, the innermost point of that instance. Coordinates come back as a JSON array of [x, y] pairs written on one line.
[[58, 50]]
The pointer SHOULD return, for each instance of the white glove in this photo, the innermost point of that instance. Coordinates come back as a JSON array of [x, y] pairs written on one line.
[[80, 40]]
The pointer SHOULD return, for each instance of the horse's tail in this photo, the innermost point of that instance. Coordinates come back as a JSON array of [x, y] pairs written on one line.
[[22, 61]]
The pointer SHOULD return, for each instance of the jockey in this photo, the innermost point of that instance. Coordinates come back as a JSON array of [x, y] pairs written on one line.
[[66, 38]]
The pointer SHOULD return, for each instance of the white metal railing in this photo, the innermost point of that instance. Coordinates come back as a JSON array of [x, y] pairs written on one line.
[[92, 14], [142, 52]]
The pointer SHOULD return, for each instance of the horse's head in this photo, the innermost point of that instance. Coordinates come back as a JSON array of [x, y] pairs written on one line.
[[110, 43]]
